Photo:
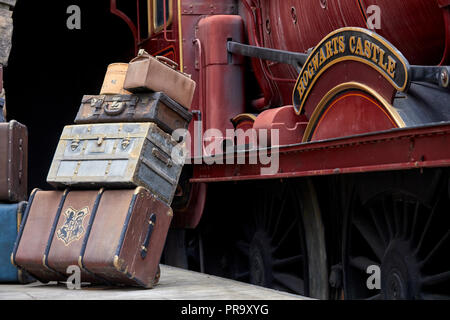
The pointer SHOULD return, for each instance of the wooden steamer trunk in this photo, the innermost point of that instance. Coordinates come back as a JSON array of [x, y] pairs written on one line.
[[114, 236], [118, 155]]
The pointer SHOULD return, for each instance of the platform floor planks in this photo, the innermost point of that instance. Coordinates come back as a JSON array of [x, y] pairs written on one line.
[[175, 284]]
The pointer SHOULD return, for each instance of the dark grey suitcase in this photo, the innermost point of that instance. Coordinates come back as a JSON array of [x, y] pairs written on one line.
[[117, 155], [152, 107]]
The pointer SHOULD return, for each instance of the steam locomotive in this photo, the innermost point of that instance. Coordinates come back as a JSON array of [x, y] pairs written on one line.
[[357, 204]]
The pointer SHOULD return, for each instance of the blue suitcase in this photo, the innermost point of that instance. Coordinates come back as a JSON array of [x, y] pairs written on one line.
[[10, 219]]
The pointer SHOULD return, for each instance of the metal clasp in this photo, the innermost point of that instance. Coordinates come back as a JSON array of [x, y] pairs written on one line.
[[75, 144], [125, 143]]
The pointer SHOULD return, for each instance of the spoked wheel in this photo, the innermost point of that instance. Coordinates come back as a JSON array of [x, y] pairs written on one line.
[[399, 223], [281, 243]]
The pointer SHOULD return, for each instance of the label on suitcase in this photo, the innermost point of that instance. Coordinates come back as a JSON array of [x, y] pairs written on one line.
[[114, 236], [117, 155], [10, 219], [153, 107], [148, 73], [13, 161]]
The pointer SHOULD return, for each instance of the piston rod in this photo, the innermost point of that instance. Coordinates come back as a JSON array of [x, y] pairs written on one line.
[[297, 60]]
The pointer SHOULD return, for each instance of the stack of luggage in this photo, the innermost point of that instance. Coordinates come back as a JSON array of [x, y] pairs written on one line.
[[115, 173], [13, 193]]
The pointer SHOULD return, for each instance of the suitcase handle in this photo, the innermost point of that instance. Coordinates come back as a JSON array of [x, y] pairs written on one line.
[[171, 64], [21, 160], [151, 227], [162, 157], [167, 61]]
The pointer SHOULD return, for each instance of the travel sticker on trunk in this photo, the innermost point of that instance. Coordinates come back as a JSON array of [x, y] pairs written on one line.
[[72, 229]]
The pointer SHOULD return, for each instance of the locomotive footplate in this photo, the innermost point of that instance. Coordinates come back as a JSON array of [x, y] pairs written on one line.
[[397, 149]]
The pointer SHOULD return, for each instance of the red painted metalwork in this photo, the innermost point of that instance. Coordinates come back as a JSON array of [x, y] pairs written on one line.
[[190, 216], [128, 21], [221, 70], [398, 149], [354, 112], [198, 44], [406, 24], [445, 5], [354, 71], [289, 126]]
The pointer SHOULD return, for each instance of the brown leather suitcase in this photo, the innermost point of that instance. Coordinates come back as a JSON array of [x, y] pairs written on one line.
[[154, 107], [127, 238], [114, 236], [13, 161], [159, 74], [37, 227]]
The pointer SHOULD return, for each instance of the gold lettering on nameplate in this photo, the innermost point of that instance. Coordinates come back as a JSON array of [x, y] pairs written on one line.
[[355, 44]]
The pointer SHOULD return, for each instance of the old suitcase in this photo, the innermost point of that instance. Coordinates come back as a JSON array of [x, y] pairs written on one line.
[[37, 228], [114, 236], [159, 74], [13, 161], [10, 219], [71, 226], [117, 155], [114, 79], [152, 107], [127, 238]]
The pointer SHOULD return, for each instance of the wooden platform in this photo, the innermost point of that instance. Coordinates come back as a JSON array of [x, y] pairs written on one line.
[[175, 284]]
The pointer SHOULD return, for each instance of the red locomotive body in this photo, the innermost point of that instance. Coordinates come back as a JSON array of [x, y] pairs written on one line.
[[318, 151]]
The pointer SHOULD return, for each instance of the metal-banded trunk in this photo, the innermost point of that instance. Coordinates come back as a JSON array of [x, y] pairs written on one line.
[[117, 155], [114, 236], [154, 107]]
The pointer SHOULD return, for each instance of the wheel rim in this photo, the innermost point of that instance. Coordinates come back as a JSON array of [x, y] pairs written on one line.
[[407, 238], [271, 250]]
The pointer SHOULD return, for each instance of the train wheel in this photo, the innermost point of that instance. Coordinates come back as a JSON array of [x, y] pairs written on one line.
[[399, 223], [282, 245]]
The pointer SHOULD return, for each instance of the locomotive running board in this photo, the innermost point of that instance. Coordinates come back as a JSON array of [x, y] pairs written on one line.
[[397, 149]]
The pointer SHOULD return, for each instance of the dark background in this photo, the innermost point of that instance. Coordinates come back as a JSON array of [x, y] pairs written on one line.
[[51, 67]]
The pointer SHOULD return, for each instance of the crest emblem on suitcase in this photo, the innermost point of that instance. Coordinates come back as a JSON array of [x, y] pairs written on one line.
[[72, 229]]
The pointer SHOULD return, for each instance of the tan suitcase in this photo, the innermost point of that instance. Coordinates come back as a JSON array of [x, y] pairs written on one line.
[[114, 79], [148, 73]]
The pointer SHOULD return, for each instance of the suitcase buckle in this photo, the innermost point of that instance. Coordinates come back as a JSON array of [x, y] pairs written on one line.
[[75, 144], [100, 141], [115, 108], [125, 143]]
